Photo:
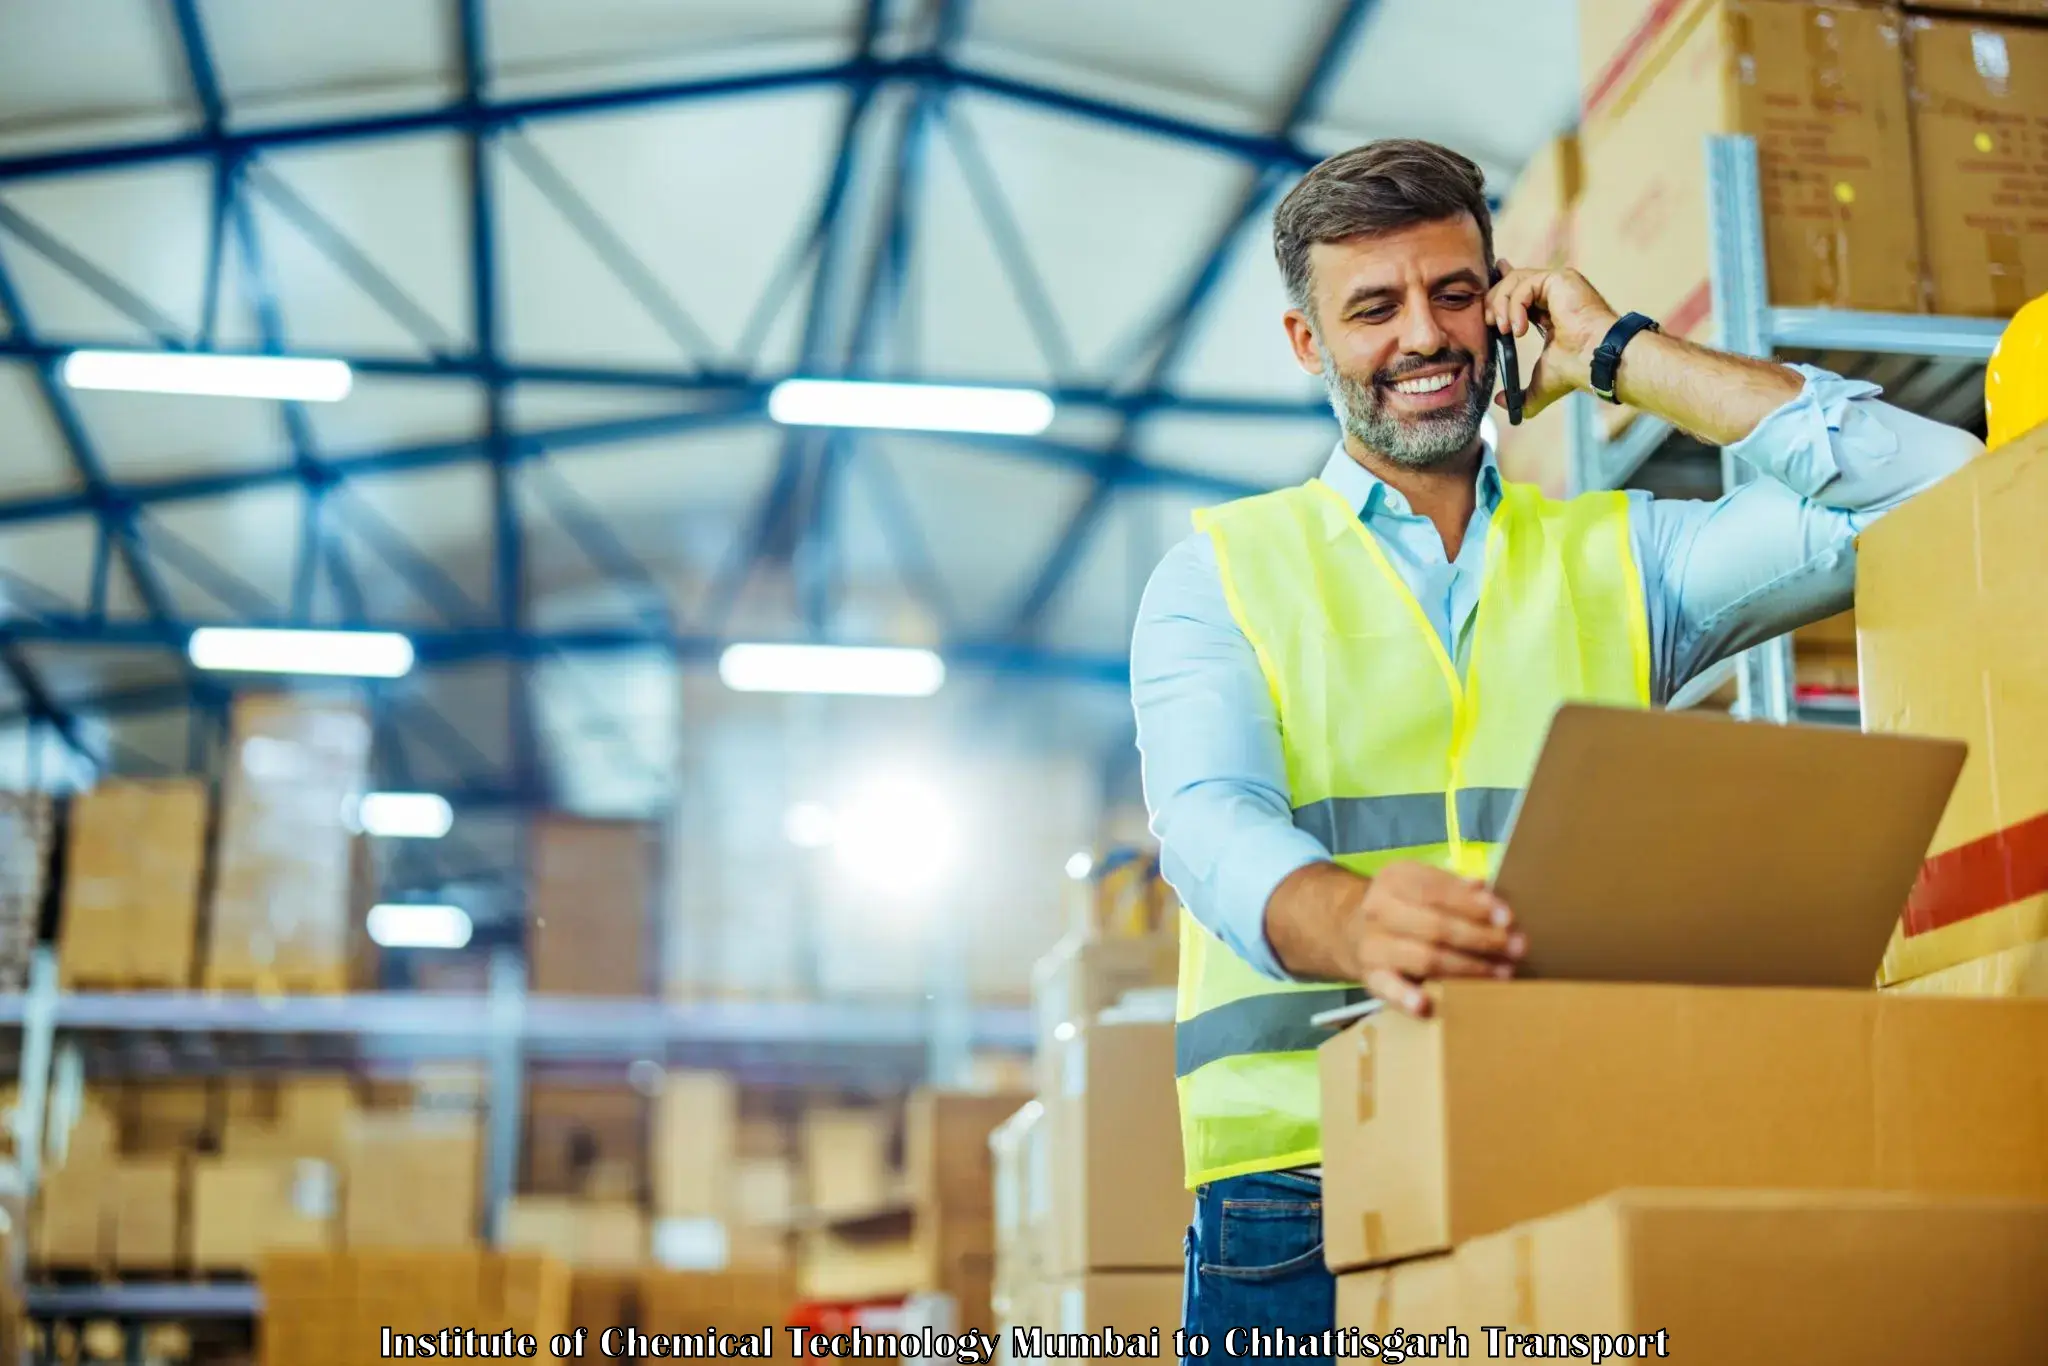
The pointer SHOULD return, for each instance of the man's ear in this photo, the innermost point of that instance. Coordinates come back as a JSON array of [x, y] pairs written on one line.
[[1301, 337]]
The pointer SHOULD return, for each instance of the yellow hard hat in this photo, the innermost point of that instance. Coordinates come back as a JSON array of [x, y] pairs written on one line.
[[2016, 383]]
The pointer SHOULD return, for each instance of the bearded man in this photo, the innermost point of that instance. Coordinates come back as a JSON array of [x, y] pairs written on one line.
[[1341, 686]]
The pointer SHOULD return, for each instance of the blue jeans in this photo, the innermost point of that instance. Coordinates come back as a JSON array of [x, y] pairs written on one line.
[[1255, 1260]]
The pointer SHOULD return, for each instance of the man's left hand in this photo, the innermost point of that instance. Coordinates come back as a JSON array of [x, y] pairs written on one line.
[[1569, 314]]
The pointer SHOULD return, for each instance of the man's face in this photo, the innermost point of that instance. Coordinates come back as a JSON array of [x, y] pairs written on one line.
[[1399, 335]]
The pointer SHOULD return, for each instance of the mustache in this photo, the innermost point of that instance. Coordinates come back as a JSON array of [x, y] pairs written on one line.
[[1450, 355]]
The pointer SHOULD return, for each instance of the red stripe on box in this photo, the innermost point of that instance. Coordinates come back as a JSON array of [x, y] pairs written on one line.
[[1658, 19], [2003, 867], [1692, 310]]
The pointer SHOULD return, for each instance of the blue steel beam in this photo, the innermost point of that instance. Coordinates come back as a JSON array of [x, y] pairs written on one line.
[[1178, 326], [469, 115], [468, 645], [39, 705], [596, 539], [208, 575], [1082, 397]]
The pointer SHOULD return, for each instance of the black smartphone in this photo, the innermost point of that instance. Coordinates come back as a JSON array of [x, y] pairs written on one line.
[[1509, 367]]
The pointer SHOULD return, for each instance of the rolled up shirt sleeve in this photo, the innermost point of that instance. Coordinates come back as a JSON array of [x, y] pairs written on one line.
[[1209, 737], [1779, 552]]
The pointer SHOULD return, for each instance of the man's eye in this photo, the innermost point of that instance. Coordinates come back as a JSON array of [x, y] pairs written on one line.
[[1458, 299], [1373, 315]]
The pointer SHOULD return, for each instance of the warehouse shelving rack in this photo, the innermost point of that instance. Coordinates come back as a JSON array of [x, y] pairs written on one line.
[[503, 1029], [1927, 363]]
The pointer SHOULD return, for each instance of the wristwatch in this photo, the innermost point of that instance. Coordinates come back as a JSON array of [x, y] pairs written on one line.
[[1607, 359]]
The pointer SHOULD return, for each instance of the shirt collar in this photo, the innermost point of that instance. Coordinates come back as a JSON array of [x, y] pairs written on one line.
[[1369, 494]]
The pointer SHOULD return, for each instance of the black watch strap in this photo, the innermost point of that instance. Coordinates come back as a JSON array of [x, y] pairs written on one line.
[[1607, 358]]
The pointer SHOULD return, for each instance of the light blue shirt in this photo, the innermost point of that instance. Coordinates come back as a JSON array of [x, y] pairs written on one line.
[[1775, 554]]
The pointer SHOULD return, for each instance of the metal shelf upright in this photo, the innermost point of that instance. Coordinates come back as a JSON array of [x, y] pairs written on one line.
[[1951, 352]]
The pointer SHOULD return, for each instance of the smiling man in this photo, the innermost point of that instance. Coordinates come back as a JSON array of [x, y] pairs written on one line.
[[1341, 686]]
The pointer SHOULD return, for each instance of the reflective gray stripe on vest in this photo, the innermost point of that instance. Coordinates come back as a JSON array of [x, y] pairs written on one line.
[[1273, 1022], [1407, 820]]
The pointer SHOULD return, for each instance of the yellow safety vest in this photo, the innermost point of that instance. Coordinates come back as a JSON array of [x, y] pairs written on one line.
[[1390, 755]]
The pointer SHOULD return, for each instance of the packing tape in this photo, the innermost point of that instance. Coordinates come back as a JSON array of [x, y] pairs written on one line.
[[1642, 39], [2007, 270], [1383, 1303], [1368, 1072], [1373, 1229], [1525, 1281], [1983, 875], [1828, 92]]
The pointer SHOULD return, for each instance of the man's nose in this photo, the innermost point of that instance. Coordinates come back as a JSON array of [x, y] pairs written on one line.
[[1424, 335]]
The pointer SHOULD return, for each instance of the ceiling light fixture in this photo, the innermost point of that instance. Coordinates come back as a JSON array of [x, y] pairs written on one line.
[[344, 654], [910, 407], [869, 671], [419, 925], [405, 815], [188, 372]]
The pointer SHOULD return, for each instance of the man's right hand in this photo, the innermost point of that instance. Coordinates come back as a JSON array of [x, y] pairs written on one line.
[[1407, 924], [1416, 922]]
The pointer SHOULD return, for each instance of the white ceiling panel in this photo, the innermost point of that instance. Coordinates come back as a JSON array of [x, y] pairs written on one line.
[[535, 406], [402, 204], [278, 62], [58, 309], [541, 44], [1237, 344], [146, 228], [383, 412], [455, 720], [1261, 452], [167, 436], [44, 564], [681, 191], [438, 523], [254, 536], [33, 458], [1092, 612], [86, 61], [1117, 219]]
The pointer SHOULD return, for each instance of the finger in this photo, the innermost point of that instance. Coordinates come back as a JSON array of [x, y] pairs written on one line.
[[1420, 923], [1527, 295], [1546, 386], [1422, 960], [1497, 297], [1463, 896], [1398, 992]]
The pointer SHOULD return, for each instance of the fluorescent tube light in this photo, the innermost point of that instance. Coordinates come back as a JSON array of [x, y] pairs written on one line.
[[1080, 865], [188, 372], [909, 407], [347, 654], [407, 925], [405, 815], [871, 671]]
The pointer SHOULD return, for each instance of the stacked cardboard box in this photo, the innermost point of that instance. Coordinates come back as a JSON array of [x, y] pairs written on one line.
[[25, 840], [695, 1129], [952, 1192], [731, 1302], [135, 858], [588, 905], [1123, 897], [322, 1308], [856, 1241], [1534, 230], [413, 1180], [281, 899], [1768, 1117], [1821, 86], [1944, 612], [1088, 1222], [1980, 99], [597, 1235], [584, 1140]]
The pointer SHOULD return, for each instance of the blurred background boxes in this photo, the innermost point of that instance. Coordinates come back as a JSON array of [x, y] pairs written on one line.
[[588, 906], [135, 863]]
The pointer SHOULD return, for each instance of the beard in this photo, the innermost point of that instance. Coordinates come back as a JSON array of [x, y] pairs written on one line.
[[1425, 442]]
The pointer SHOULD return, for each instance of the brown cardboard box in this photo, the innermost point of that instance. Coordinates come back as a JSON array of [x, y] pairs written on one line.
[[946, 1152], [1980, 102], [412, 1181], [1418, 1296], [1607, 1085], [846, 1155], [1939, 585], [1113, 1127], [588, 905], [731, 1301], [149, 1210], [695, 1123], [1128, 1303], [583, 1233], [242, 1207], [1021, 1219], [135, 856], [764, 1192], [288, 1117], [1825, 1278], [575, 1132], [73, 1224], [280, 910], [2021, 970], [1080, 977], [2011, 9], [1534, 228], [835, 1268], [600, 1299], [169, 1117], [1822, 87]]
